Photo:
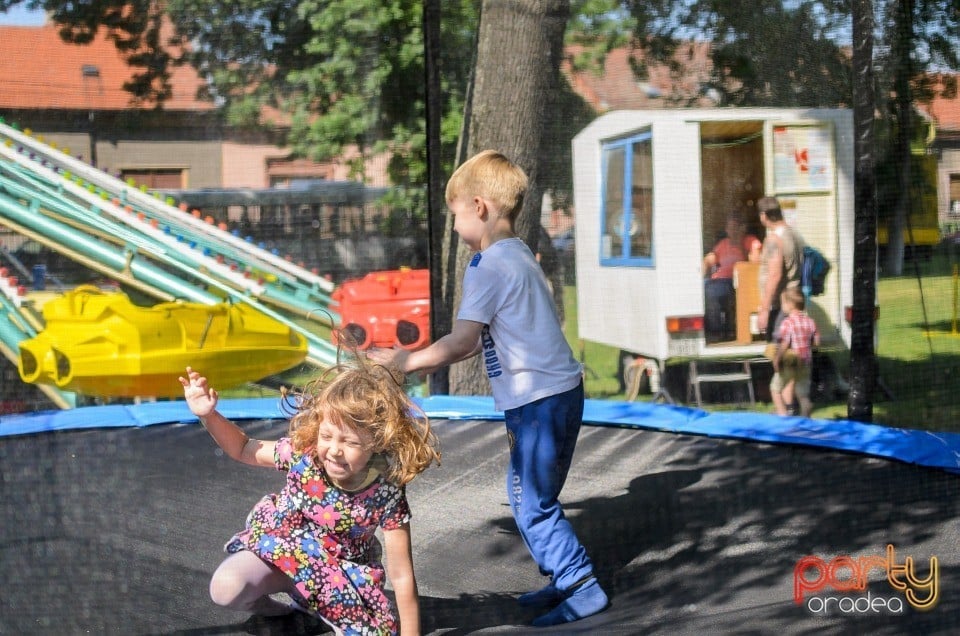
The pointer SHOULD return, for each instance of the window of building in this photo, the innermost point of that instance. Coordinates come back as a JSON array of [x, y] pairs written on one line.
[[157, 178], [627, 208], [955, 195], [286, 172]]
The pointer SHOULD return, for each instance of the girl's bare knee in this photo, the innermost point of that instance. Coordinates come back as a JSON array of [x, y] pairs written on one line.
[[244, 582], [227, 591]]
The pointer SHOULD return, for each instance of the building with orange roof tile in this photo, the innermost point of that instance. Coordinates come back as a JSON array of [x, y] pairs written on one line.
[[944, 110], [73, 96], [615, 86]]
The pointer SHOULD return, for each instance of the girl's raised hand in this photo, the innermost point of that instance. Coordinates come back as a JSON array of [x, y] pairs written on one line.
[[395, 356], [201, 399]]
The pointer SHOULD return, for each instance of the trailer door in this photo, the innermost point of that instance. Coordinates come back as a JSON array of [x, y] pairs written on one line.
[[803, 176]]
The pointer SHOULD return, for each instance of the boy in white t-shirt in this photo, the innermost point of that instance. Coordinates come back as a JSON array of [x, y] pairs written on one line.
[[507, 315]]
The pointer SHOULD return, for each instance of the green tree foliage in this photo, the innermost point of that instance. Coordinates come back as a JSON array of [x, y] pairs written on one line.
[[919, 37], [764, 52], [779, 52], [349, 73], [342, 72], [796, 53], [335, 73]]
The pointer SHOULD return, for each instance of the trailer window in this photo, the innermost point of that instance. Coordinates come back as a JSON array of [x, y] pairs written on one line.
[[627, 208]]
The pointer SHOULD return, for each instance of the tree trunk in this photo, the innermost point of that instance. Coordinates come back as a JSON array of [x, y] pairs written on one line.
[[903, 75], [518, 58], [863, 369]]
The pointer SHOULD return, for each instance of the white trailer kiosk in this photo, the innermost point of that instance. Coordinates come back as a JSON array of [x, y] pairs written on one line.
[[652, 191]]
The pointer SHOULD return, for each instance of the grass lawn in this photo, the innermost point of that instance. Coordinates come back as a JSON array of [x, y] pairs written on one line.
[[918, 366], [600, 361], [918, 350]]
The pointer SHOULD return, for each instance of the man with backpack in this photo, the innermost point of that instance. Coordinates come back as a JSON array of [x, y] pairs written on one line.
[[781, 264]]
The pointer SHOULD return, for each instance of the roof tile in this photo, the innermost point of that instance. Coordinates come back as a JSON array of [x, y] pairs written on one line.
[[615, 86], [945, 111], [39, 70]]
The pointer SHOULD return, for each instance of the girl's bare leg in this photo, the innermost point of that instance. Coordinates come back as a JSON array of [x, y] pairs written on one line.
[[245, 582]]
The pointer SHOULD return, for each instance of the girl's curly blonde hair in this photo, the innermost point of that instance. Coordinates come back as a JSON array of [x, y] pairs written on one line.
[[366, 397]]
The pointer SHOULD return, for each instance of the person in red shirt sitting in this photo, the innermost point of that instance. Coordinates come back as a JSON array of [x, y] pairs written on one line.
[[718, 264]]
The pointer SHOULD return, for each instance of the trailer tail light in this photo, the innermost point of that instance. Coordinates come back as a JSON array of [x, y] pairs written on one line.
[[681, 324], [848, 313]]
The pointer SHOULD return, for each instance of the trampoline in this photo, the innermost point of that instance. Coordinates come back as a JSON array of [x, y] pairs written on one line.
[[117, 530]]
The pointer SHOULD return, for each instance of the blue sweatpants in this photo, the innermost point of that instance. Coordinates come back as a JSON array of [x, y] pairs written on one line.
[[543, 436]]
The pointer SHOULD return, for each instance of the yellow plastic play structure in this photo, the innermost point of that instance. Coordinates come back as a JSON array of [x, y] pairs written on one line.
[[99, 343]]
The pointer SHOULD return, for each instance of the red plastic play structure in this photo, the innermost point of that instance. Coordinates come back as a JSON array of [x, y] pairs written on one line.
[[384, 309]]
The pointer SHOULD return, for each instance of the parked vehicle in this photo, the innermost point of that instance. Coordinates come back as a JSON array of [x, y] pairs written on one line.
[[652, 190]]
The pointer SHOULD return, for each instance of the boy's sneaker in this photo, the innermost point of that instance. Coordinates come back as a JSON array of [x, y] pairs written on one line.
[[585, 600], [548, 595]]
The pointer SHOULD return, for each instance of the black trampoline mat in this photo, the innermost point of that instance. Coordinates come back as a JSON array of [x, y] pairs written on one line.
[[117, 531]]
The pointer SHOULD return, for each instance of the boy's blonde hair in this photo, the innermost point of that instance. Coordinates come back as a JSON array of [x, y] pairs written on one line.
[[794, 296], [367, 397], [491, 176]]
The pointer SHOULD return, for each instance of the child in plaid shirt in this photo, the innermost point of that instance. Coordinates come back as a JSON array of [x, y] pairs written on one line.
[[793, 361]]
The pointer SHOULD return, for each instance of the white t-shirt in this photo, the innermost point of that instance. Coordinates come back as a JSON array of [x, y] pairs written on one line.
[[524, 350]]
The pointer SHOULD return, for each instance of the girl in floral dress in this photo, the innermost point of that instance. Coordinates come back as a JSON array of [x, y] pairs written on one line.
[[355, 441]]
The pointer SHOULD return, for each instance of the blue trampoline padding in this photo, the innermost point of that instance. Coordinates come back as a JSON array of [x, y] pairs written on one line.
[[125, 415], [459, 407], [924, 448]]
